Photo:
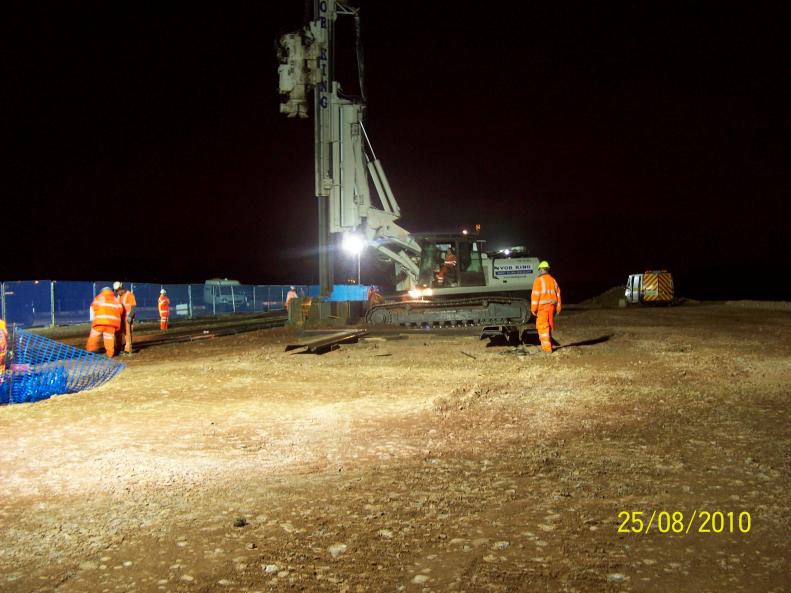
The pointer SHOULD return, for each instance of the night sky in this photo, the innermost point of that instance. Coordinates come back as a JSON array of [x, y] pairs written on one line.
[[144, 142]]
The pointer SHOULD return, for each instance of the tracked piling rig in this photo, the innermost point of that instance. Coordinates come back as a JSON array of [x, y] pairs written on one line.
[[479, 288]]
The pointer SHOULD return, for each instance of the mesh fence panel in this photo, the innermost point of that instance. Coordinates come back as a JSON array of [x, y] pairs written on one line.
[[146, 296], [272, 297], [28, 302], [73, 301], [40, 368], [179, 295], [43, 303]]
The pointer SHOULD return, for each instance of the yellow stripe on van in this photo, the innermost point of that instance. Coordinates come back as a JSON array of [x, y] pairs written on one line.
[[658, 286]]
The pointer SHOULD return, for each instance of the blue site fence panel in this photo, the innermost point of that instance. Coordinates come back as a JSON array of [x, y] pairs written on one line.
[[27, 303], [72, 301], [44, 303]]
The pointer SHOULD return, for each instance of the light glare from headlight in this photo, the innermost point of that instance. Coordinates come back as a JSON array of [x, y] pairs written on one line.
[[418, 293]]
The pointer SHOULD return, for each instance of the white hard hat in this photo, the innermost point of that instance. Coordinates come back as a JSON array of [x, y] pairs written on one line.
[[117, 285], [163, 291], [105, 289], [292, 288]]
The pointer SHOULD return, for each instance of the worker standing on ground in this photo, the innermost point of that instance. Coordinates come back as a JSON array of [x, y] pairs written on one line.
[[106, 314], [163, 304], [290, 295], [127, 299], [545, 304], [3, 343]]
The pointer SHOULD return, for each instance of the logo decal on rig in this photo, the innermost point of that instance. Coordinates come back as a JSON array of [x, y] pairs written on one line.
[[512, 269]]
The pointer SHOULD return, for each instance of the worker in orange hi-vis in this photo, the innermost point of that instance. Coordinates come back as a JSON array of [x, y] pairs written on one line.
[[448, 267], [450, 259], [374, 296], [106, 314], [290, 296], [545, 304], [163, 304], [127, 299], [3, 343]]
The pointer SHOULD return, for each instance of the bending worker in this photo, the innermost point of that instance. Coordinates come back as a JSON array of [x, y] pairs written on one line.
[[127, 299], [163, 304], [374, 296], [105, 321], [545, 304]]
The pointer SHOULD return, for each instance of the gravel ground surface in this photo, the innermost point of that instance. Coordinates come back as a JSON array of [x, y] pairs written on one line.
[[417, 462]]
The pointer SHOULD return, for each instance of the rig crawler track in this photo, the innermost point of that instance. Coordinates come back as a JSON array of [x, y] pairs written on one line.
[[451, 313]]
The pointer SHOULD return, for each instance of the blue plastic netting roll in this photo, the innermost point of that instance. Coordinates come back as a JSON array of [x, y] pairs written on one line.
[[38, 368]]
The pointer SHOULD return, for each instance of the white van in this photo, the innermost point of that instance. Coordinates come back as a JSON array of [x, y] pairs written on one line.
[[651, 287], [223, 295]]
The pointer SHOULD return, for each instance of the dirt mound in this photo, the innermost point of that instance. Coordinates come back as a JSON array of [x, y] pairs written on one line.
[[769, 305], [686, 301], [608, 299]]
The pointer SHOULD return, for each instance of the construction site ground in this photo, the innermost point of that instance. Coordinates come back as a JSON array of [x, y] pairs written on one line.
[[417, 461]]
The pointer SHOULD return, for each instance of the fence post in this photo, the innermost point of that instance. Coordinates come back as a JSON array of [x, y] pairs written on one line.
[[189, 301], [268, 297], [2, 289], [233, 300], [253, 298], [52, 303]]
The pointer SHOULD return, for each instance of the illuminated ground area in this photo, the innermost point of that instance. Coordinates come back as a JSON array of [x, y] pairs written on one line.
[[429, 463]]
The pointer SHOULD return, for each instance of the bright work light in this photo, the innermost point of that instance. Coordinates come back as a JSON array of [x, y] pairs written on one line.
[[353, 244]]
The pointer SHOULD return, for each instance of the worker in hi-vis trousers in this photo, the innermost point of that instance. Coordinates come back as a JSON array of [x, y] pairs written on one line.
[[163, 304], [290, 296], [105, 321], [545, 304], [3, 343], [129, 302]]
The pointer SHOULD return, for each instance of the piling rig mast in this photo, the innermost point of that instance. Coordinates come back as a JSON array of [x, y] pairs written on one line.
[[344, 156], [484, 288]]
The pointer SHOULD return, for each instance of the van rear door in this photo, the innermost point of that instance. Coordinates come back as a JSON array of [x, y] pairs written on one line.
[[634, 285]]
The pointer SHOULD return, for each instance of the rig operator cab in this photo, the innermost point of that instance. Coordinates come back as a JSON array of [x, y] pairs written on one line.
[[450, 262], [459, 265]]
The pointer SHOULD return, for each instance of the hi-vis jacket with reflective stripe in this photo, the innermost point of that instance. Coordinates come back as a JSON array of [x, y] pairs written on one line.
[[163, 304], [545, 292], [3, 344], [128, 300], [106, 310]]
